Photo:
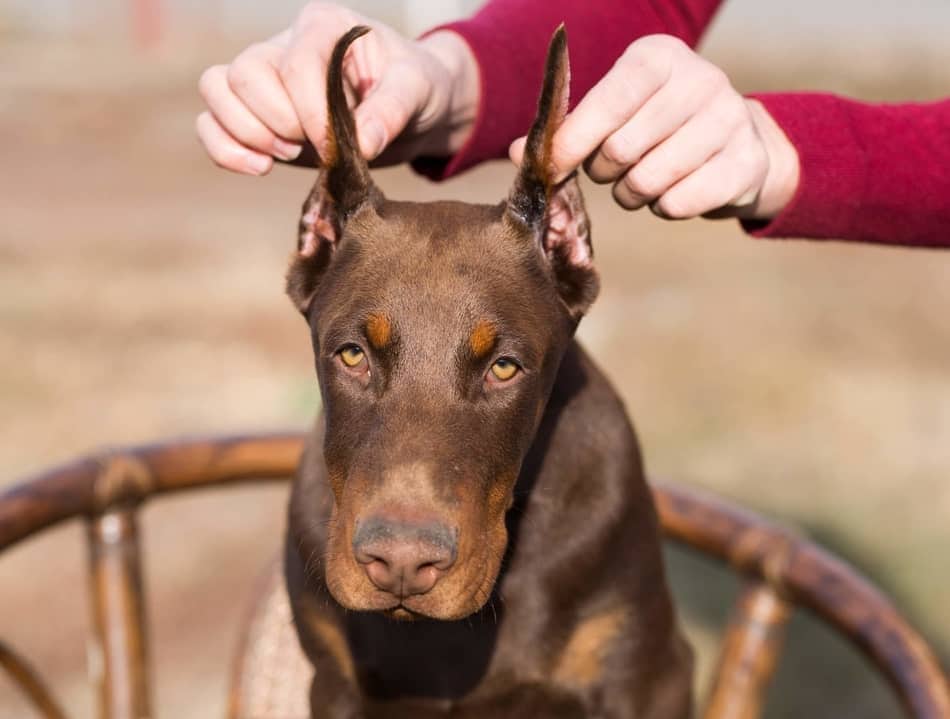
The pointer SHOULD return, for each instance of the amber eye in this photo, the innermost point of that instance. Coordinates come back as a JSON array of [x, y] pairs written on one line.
[[352, 356], [504, 369]]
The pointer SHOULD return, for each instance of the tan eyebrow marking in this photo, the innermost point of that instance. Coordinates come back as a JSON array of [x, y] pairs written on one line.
[[482, 338], [379, 330]]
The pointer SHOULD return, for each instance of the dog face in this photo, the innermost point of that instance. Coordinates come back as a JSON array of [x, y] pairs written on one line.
[[438, 329]]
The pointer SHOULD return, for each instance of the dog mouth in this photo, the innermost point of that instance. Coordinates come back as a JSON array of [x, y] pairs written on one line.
[[406, 610], [402, 613], [418, 607]]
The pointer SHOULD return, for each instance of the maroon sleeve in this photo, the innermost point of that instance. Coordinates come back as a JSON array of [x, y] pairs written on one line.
[[869, 173], [510, 37]]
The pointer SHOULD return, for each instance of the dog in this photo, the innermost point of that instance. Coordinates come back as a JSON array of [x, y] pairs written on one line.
[[470, 533]]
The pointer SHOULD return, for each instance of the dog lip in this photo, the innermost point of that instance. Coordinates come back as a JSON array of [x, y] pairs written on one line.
[[403, 613]]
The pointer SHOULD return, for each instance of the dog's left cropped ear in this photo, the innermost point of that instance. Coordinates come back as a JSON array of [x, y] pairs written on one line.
[[342, 186], [554, 214]]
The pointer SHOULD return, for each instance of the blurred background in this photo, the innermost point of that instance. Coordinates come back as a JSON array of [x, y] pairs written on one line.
[[141, 297]]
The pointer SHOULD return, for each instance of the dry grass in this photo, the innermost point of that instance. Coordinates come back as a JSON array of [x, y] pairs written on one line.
[[141, 298]]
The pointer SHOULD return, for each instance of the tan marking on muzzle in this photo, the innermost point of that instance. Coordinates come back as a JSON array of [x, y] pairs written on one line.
[[482, 338], [582, 661], [378, 330]]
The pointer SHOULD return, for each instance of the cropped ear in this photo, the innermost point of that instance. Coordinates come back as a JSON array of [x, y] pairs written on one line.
[[343, 185], [554, 214]]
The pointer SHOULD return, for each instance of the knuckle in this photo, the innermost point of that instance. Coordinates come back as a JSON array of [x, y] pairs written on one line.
[[656, 51], [325, 16], [313, 10], [716, 77], [237, 74], [660, 42], [617, 150], [750, 160], [209, 80], [647, 61], [287, 69], [728, 111], [247, 63], [735, 108], [644, 181]]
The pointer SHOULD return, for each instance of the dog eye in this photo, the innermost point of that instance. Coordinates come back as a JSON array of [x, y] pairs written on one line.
[[504, 369], [352, 356]]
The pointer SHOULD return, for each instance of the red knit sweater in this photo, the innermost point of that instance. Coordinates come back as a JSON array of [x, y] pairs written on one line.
[[869, 172]]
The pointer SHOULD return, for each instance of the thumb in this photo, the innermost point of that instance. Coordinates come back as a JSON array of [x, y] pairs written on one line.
[[386, 110]]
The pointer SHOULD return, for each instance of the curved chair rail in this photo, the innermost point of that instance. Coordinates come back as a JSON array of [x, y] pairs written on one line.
[[784, 570]]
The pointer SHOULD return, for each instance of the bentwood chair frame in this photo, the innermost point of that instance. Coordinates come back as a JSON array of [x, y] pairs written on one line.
[[783, 571]]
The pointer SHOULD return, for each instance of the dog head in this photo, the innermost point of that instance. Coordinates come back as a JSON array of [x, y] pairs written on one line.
[[437, 329]]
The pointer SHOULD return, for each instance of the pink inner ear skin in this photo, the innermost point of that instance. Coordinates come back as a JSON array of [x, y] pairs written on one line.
[[317, 228], [567, 225]]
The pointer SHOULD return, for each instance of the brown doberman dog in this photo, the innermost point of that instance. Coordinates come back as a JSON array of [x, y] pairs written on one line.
[[470, 532]]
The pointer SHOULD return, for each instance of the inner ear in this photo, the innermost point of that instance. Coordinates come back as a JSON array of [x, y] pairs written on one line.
[[566, 229], [565, 238], [319, 220]]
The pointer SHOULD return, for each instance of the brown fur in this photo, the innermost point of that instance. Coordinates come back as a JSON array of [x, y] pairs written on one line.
[[554, 602]]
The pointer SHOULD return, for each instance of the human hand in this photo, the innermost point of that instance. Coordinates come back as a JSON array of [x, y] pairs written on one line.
[[412, 97], [667, 128]]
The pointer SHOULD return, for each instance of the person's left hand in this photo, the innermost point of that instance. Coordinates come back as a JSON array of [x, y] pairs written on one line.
[[667, 128]]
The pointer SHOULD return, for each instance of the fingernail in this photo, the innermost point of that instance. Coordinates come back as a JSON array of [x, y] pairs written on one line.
[[372, 138], [284, 150], [257, 164]]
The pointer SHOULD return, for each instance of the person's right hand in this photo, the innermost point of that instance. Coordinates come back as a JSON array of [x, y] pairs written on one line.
[[412, 97]]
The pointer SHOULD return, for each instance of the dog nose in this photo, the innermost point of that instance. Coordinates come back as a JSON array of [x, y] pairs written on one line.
[[404, 558]]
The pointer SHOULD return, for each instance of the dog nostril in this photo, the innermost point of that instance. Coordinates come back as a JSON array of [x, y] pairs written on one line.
[[380, 575], [404, 560]]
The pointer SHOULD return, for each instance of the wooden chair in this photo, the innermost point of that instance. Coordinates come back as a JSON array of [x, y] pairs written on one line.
[[783, 572]]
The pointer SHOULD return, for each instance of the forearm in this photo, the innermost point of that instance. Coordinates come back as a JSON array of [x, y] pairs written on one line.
[[508, 40], [867, 172]]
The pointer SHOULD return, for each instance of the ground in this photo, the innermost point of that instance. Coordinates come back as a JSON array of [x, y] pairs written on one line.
[[141, 298]]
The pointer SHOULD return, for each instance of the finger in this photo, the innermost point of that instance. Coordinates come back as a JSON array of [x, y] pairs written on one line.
[[730, 178], [227, 152], [663, 116], [516, 150], [386, 110], [681, 154], [234, 116], [303, 72], [254, 79], [606, 108]]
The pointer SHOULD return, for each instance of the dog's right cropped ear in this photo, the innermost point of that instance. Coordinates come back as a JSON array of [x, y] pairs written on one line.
[[552, 213], [342, 187]]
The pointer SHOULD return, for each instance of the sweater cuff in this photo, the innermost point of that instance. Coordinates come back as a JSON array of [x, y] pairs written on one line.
[[478, 145], [832, 168]]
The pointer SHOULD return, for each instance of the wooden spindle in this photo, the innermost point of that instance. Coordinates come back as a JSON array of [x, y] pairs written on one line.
[[28, 680], [118, 652], [749, 654]]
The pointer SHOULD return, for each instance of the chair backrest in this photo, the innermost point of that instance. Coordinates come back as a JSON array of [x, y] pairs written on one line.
[[783, 571]]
